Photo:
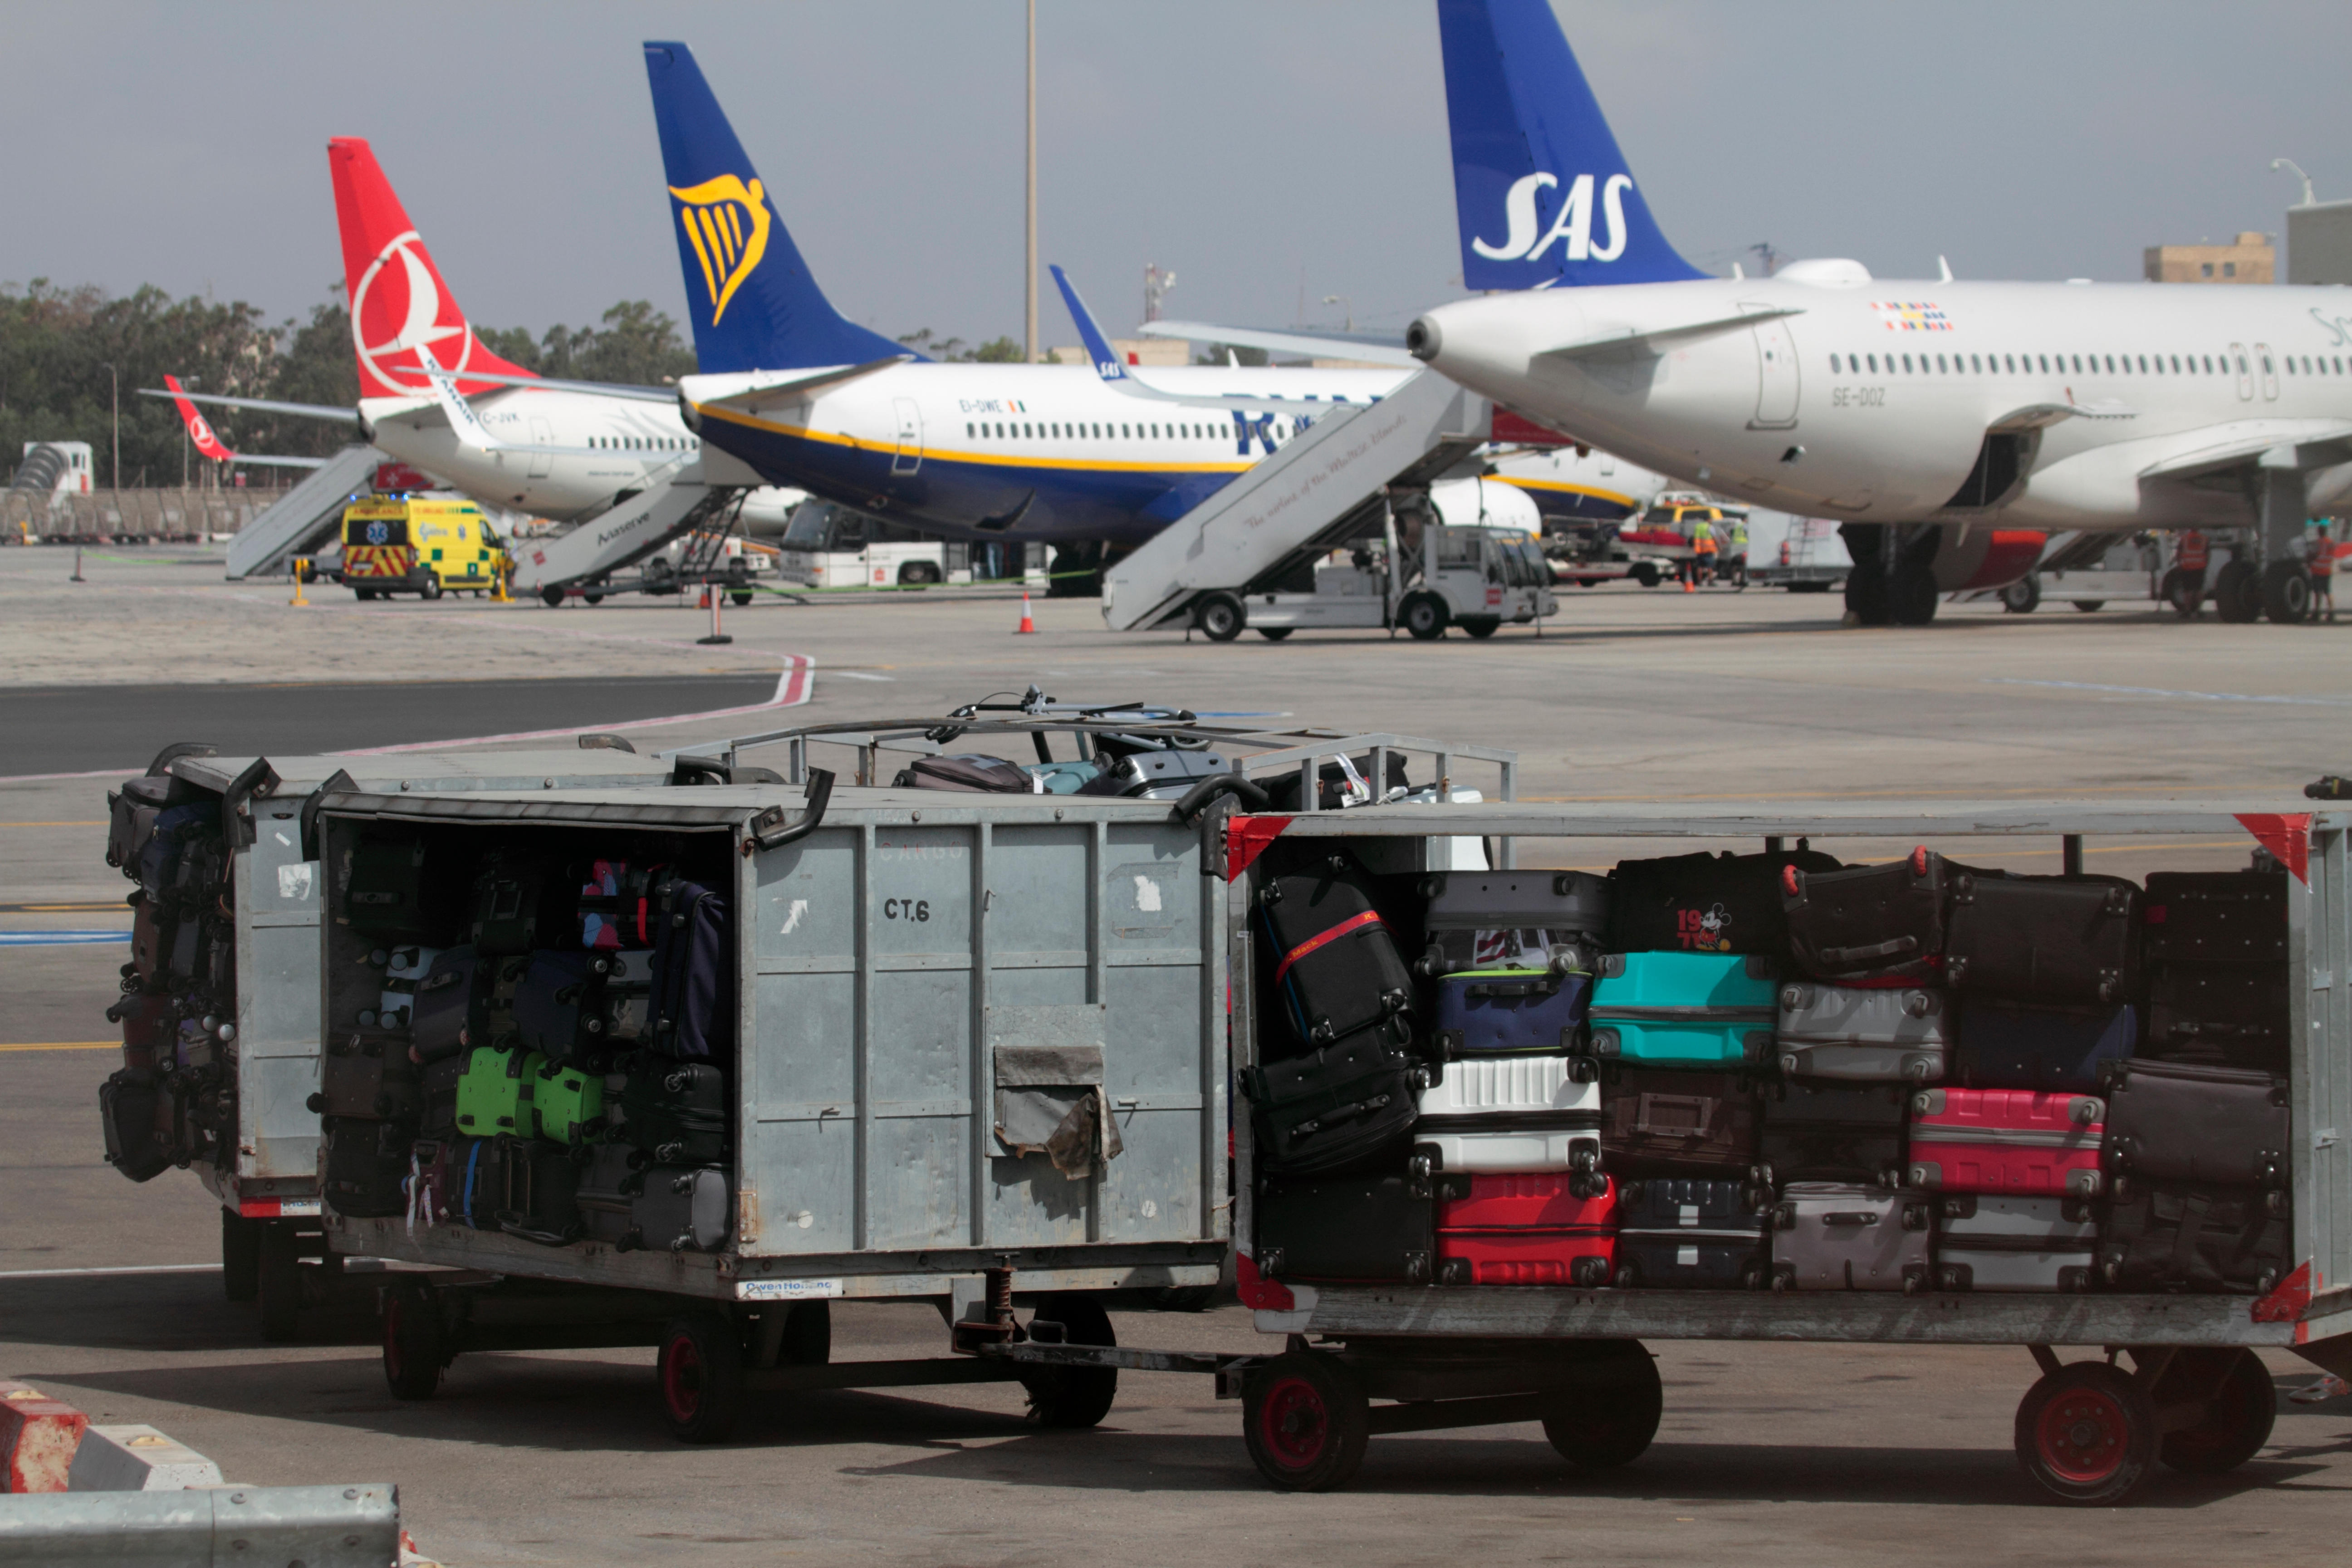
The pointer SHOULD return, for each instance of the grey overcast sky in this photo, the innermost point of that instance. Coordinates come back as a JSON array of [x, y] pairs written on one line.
[[1268, 150]]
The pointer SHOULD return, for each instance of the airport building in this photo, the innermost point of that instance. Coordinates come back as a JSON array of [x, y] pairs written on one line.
[[2248, 258]]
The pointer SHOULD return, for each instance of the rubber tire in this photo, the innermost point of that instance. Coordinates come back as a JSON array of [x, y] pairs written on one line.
[[416, 1346], [551, 595], [739, 596], [1645, 575], [917, 573], [593, 599], [1626, 1428], [1481, 626], [700, 1376], [240, 1255], [364, 594], [2286, 593], [1866, 597], [2089, 607], [2024, 597], [1221, 617], [431, 591], [1305, 1420], [278, 1283], [1274, 634], [1423, 615], [2238, 593], [1912, 595], [2114, 1409], [2241, 1411], [1073, 1398], [2185, 591]]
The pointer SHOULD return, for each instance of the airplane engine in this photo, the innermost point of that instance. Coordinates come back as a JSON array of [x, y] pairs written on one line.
[[1975, 557]]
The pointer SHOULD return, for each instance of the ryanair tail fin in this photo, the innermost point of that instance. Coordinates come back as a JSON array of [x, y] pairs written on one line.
[[1543, 193], [754, 304]]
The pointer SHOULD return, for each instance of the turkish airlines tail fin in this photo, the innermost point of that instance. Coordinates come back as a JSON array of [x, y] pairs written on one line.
[[1543, 193], [397, 299], [753, 302], [200, 429]]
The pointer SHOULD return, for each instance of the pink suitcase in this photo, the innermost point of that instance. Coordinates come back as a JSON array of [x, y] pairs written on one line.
[[2019, 1143]]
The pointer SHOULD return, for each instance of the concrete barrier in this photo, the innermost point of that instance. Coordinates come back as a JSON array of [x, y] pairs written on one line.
[[133, 1458], [38, 1436]]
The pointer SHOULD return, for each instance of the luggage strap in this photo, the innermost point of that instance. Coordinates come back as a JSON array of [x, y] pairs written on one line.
[[1887, 949], [1321, 939]]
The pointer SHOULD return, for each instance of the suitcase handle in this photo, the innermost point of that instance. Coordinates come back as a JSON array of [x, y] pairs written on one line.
[[1703, 1104], [1849, 1217], [1546, 986], [1886, 949]]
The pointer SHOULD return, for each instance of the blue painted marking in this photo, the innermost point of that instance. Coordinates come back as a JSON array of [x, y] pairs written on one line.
[[60, 937]]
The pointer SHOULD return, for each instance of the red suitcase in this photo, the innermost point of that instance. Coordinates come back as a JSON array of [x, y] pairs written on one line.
[[1526, 1228], [2019, 1143]]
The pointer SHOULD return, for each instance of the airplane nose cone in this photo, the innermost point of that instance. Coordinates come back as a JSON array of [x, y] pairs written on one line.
[[1422, 339]]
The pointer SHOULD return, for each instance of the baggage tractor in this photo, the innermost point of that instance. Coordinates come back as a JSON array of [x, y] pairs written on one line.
[[965, 773], [1987, 1243], [520, 903], [1489, 1012], [1663, 1122], [367, 1168], [446, 1009], [541, 1181], [495, 1092], [1875, 1033], [1830, 1131], [676, 1111], [2191, 1235], [2071, 941], [2017, 1142], [693, 973], [1881, 923], [1528, 1228], [1345, 1105], [2224, 1015], [2214, 917], [1514, 919], [1704, 903], [1682, 1234], [1337, 966], [136, 1110], [1835, 1235], [402, 968], [1511, 1113], [559, 1005], [1683, 1009], [368, 1073], [616, 907], [678, 1208], [2060, 1050], [1364, 1228], [568, 1103], [2181, 1121], [395, 891]]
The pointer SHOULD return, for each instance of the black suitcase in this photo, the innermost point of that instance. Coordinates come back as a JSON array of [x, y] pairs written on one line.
[[1705, 903], [1348, 1105], [559, 1005], [967, 774], [133, 1108], [150, 1025], [520, 903], [678, 1208], [1662, 1122], [1337, 966], [693, 973], [2225, 1015], [1867, 923], [676, 1111], [2058, 1050], [473, 1175], [2182, 1122], [1375, 1229], [368, 1073], [398, 891], [2214, 917], [132, 811], [178, 831], [437, 1113], [1693, 1236], [542, 1182], [2071, 941], [1820, 1131], [445, 1010], [368, 1165], [2187, 1236]]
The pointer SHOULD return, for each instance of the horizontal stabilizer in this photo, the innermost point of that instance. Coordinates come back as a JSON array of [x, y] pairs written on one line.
[[1654, 339], [300, 410], [786, 389], [1367, 349]]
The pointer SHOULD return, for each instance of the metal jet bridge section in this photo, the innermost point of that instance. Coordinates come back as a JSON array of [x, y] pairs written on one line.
[[1331, 484], [693, 493], [306, 518]]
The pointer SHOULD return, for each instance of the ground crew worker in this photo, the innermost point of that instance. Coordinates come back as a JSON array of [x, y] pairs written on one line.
[[1702, 549], [2320, 557], [1734, 559]]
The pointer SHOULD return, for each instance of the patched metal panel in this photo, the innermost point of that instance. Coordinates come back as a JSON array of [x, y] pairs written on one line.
[[2320, 1012], [800, 1081], [279, 895]]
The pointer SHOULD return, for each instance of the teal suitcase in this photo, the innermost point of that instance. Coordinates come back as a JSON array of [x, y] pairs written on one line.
[[1683, 1009]]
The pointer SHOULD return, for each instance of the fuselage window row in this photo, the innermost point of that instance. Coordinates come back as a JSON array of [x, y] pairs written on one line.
[[1852, 364]]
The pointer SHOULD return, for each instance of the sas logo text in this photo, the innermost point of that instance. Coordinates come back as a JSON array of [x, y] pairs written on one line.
[[1571, 224], [726, 225]]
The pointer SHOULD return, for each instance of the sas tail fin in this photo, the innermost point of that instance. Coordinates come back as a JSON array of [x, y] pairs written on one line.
[[200, 429], [1541, 193], [754, 304], [1106, 358], [397, 299]]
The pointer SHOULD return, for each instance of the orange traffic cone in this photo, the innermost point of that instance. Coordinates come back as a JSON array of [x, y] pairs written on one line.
[[1028, 627], [1688, 587]]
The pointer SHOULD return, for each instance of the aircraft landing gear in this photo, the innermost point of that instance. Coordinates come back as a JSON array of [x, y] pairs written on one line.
[[2286, 593], [2238, 593]]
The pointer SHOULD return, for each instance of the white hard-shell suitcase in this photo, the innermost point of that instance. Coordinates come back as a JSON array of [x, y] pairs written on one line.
[[1885, 1036], [1830, 1235], [1521, 919], [1512, 1113], [2015, 1244]]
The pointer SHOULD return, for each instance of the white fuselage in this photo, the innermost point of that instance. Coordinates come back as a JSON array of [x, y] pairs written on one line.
[[1872, 401]]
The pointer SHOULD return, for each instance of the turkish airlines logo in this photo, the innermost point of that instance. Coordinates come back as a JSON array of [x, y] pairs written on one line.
[[398, 307], [726, 221], [200, 431], [1572, 224]]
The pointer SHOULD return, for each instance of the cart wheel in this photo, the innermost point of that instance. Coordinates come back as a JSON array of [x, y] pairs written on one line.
[[701, 1373], [2240, 1406], [1273, 633], [416, 1346], [1304, 1418], [551, 595], [739, 596], [1220, 616], [278, 1282], [1071, 1397], [240, 1255], [1614, 1426], [2088, 1433]]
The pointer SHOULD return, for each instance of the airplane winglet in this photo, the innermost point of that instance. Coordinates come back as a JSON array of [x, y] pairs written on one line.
[[1099, 349]]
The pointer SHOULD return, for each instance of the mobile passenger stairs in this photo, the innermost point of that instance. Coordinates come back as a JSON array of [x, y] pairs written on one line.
[[698, 497]]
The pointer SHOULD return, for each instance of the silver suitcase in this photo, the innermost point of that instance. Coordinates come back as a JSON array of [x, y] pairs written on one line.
[[402, 968], [1897, 1035], [1512, 1113], [1518, 919], [2015, 1244], [1828, 1235]]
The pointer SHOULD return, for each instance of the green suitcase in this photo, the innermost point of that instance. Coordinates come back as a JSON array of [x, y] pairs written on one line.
[[568, 1104], [496, 1093]]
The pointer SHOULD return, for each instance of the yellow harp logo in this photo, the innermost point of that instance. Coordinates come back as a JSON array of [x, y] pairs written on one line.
[[728, 227]]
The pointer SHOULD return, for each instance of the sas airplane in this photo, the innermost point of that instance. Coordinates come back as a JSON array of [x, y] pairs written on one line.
[[1936, 420]]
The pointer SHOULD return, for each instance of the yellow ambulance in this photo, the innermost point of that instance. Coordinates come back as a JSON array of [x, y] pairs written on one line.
[[418, 544]]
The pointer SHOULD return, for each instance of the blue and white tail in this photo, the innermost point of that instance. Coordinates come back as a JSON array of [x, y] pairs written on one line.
[[754, 304], [1543, 193]]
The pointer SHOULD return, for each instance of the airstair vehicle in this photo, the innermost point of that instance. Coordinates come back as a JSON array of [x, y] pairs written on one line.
[[306, 518], [699, 494]]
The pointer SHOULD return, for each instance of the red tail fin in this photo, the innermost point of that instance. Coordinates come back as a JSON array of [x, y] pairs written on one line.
[[398, 298], [200, 429]]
